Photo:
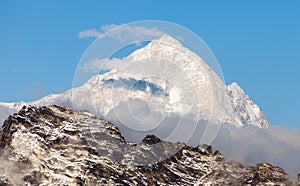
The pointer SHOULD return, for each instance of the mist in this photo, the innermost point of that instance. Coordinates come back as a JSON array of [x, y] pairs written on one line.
[[249, 145]]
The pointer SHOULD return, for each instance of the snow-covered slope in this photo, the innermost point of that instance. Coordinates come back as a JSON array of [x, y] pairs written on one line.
[[170, 79], [245, 110]]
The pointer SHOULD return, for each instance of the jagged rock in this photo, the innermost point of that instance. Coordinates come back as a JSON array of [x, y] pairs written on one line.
[[60, 146], [218, 156], [150, 140], [4, 180]]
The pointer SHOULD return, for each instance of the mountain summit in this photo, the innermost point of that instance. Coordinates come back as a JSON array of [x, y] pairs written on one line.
[[167, 76], [230, 103]]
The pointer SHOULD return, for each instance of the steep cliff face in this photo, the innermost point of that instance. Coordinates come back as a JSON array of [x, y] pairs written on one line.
[[59, 146]]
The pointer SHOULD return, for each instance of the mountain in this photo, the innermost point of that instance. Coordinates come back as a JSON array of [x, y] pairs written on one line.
[[168, 77], [60, 146], [9, 108]]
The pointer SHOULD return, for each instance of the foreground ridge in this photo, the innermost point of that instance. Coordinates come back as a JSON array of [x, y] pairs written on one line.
[[60, 146]]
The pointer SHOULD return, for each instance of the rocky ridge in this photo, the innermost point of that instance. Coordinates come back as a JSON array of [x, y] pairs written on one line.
[[60, 146]]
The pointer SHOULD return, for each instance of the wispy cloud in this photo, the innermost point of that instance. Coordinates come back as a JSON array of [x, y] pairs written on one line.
[[97, 33], [105, 64], [120, 31], [90, 33]]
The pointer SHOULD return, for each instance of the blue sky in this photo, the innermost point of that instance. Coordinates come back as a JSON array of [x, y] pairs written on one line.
[[257, 44]]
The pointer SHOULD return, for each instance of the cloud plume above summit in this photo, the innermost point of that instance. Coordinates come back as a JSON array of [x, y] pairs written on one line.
[[134, 31]]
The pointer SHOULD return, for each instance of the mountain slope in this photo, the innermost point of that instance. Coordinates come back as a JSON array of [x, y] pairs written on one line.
[[248, 112], [9, 108], [168, 77], [60, 146], [225, 100]]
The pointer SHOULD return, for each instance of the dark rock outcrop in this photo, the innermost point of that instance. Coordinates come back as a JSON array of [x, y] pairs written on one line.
[[150, 140]]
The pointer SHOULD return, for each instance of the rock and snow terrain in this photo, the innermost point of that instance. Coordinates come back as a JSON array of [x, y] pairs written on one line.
[[162, 80], [186, 85], [60, 146]]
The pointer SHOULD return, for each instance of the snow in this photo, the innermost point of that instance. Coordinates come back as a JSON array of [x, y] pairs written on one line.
[[174, 95], [189, 84]]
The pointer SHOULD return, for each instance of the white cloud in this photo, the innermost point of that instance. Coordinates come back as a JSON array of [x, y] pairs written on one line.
[[97, 33], [120, 31], [90, 33], [106, 28], [251, 145], [126, 64], [106, 64]]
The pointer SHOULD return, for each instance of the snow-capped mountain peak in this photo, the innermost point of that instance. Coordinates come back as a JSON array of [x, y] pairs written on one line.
[[168, 40], [185, 85], [165, 46]]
